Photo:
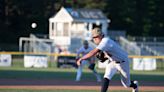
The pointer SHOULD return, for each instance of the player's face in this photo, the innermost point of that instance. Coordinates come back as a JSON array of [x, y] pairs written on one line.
[[97, 39]]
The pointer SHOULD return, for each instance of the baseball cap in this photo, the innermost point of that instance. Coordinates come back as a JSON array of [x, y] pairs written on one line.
[[96, 32]]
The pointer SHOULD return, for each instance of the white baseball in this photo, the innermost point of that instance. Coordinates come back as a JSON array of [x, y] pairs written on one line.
[[33, 25]]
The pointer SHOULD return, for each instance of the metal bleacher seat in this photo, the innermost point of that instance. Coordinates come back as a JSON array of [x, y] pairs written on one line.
[[150, 45]]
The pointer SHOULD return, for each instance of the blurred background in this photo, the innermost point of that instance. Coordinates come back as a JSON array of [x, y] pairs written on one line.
[[50, 27], [137, 18], [47, 33]]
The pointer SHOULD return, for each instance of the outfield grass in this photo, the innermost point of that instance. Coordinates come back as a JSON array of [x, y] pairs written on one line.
[[60, 73], [17, 71]]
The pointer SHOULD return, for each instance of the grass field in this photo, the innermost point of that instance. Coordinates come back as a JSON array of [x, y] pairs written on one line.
[[17, 71]]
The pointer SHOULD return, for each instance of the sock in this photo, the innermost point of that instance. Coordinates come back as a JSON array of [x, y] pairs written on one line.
[[133, 85], [105, 85]]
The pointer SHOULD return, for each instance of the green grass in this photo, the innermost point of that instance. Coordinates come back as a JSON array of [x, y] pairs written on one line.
[[17, 71], [70, 73], [45, 73]]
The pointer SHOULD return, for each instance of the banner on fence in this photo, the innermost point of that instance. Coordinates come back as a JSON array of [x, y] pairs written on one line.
[[5, 60], [35, 61], [144, 64]]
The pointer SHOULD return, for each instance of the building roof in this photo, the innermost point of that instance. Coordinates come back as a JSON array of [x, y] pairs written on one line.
[[86, 14], [81, 15]]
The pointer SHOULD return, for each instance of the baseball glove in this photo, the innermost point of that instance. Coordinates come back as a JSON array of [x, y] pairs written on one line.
[[101, 56], [92, 66]]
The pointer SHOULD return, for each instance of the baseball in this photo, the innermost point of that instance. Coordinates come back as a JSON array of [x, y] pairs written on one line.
[[33, 25]]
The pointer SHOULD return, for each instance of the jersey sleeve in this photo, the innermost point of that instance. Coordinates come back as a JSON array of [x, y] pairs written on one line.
[[102, 44]]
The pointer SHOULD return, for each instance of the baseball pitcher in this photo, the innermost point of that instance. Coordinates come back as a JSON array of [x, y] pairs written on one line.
[[117, 59]]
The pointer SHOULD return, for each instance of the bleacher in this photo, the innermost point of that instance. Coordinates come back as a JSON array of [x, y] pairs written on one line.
[[150, 45], [145, 50], [157, 48]]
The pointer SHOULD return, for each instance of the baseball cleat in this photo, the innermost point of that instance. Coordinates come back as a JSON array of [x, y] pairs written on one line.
[[135, 89]]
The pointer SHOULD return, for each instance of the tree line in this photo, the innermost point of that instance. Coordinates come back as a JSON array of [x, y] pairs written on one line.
[[137, 17]]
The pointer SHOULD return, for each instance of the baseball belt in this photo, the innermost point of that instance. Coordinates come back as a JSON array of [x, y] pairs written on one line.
[[119, 61]]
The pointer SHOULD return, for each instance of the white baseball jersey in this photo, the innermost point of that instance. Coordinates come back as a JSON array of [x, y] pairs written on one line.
[[109, 46], [116, 54]]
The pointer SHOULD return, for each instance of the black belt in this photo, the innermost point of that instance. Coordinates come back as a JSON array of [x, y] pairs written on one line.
[[110, 55], [119, 61]]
